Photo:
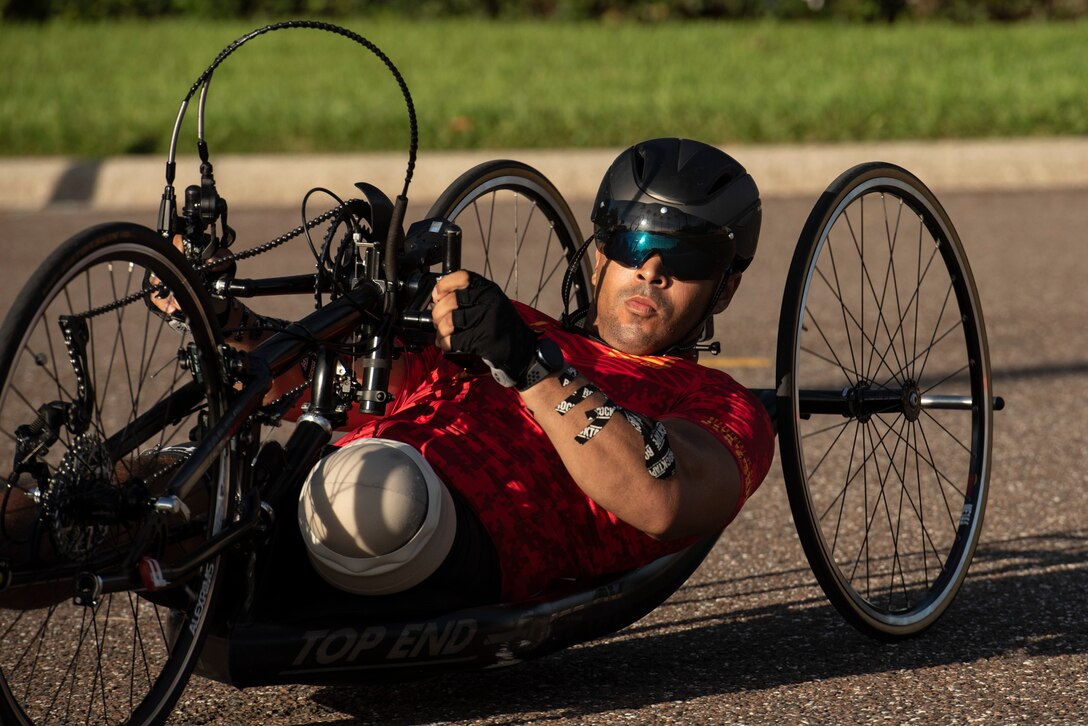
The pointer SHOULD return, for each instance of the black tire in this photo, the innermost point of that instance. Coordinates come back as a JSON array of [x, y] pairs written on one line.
[[884, 401], [500, 206], [127, 658]]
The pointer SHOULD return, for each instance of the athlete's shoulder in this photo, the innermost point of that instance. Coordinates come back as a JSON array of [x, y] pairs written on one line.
[[534, 318]]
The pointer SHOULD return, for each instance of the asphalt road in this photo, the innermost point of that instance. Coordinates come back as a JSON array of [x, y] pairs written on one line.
[[750, 638]]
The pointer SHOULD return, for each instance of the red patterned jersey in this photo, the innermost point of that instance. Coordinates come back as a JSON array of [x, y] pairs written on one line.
[[483, 442]]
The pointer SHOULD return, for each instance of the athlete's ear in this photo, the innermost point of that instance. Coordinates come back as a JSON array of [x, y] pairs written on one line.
[[730, 289]]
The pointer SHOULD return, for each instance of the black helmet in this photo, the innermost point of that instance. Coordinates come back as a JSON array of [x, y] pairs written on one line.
[[682, 188]]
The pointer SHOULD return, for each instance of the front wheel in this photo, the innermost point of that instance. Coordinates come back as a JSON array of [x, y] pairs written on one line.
[[518, 232], [884, 401], [101, 399]]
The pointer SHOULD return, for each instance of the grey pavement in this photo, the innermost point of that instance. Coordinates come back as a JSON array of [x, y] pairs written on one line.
[[750, 638], [263, 181]]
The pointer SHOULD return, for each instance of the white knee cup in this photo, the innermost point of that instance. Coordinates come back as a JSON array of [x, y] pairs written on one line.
[[375, 517]]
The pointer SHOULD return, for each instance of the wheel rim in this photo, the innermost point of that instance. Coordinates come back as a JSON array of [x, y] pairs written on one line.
[[515, 234], [894, 497], [61, 662]]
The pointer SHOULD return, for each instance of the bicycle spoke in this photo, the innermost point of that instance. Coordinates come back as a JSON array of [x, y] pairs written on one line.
[[823, 458], [864, 335], [842, 306], [825, 359], [560, 264], [913, 302], [544, 264], [831, 349], [892, 237], [485, 237], [39, 636], [916, 507], [133, 393], [936, 341], [936, 326], [946, 379], [517, 242], [899, 526], [71, 669], [918, 493], [138, 640], [63, 394], [850, 478], [100, 643], [52, 359], [841, 497], [514, 246], [931, 462], [817, 432], [864, 550], [893, 241], [942, 427], [866, 281], [881, 320]]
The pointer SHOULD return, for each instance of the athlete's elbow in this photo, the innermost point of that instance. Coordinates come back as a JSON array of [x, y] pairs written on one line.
[[688, 512], [677, 529], [674, 522]]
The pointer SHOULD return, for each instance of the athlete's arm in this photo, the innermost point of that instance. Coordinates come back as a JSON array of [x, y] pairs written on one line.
[[697, 497], [607, 459]]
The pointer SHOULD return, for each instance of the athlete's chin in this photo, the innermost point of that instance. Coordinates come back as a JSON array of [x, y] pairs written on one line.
[[636, 337]]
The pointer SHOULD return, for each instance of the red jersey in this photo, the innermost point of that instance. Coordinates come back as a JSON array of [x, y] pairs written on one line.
[[484, 443]]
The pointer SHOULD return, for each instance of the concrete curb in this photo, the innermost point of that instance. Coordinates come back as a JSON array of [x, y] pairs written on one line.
[[273, 181]]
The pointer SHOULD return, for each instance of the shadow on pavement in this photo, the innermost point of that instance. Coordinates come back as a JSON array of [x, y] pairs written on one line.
[[1019, 597]]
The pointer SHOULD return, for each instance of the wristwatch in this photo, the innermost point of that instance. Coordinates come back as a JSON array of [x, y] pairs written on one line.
[[547, 359]]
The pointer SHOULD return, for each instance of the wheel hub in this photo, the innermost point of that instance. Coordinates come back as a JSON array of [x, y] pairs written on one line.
[[912, 401], [855, 397]]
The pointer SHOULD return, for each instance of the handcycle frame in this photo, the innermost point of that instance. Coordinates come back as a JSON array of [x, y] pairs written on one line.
[[243, 647], [256, 653]]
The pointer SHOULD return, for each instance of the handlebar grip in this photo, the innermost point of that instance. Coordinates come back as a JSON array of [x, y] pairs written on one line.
[[452, 261], [418, 320]]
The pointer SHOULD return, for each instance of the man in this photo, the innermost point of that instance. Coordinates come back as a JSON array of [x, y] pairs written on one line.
[[592, 448]]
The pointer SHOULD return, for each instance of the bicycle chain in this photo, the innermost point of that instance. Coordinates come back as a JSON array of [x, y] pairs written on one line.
[[268, 409], [230, 257]]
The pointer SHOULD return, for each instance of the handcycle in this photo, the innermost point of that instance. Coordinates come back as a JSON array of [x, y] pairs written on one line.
[[147, 516]]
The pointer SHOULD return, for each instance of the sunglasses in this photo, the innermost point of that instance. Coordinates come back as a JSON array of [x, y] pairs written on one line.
[[683, 257]]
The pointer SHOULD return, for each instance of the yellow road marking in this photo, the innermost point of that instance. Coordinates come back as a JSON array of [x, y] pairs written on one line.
[[729, 363]]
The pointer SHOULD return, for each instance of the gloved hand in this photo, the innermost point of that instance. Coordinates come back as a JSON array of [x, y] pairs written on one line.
[[472, 315]]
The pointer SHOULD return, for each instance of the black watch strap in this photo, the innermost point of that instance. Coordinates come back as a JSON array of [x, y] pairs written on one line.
[[547, 359]]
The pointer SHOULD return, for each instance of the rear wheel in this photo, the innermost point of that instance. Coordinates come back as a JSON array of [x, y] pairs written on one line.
[[100, 398], [884, 401], [518, 232]]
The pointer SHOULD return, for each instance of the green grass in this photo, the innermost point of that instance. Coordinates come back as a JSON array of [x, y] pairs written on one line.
[[96, 90]]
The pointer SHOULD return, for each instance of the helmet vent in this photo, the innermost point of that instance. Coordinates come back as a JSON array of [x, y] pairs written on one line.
[[720, 183]]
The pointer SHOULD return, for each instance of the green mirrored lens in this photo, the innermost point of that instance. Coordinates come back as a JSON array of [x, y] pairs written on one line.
[[686, 259]]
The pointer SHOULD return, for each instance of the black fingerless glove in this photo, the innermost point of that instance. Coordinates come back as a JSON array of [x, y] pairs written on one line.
[[486, 324]]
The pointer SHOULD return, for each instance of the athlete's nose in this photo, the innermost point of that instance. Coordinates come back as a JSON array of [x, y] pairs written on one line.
[[653, 270]]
